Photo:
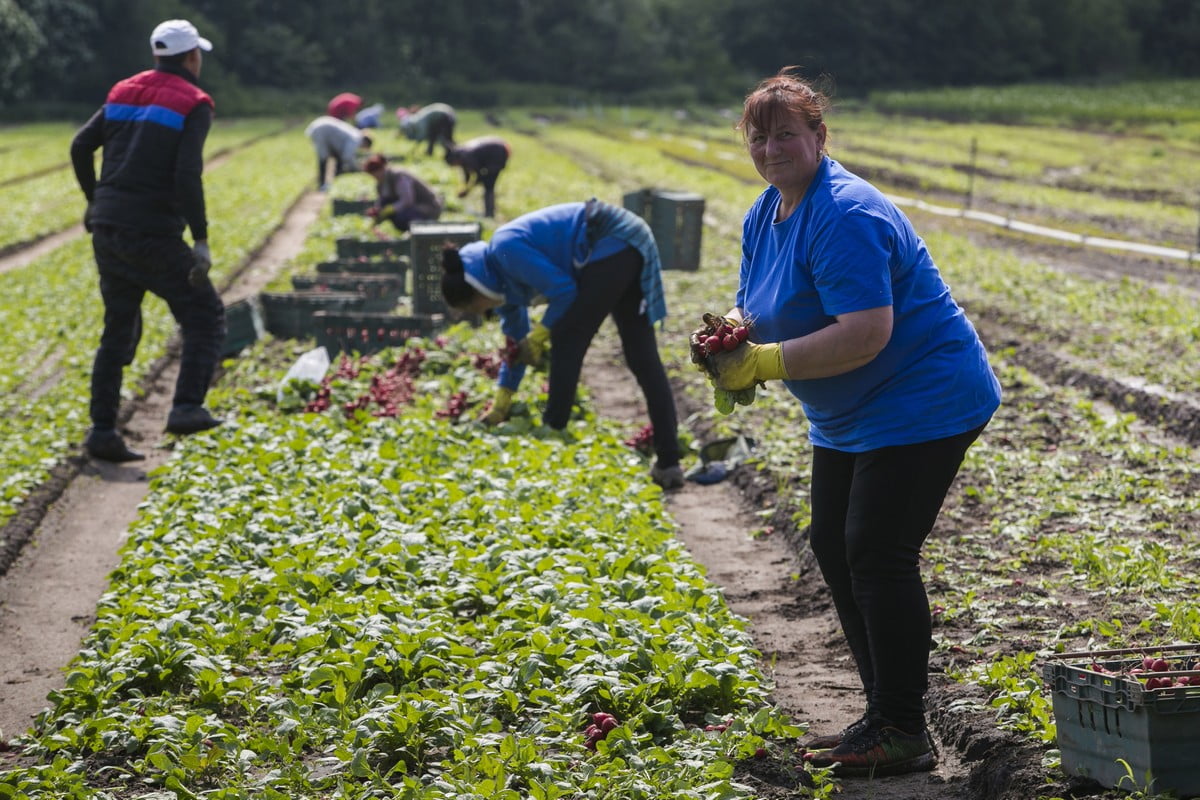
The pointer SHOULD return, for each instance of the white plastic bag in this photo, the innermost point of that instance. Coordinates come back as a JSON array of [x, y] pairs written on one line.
[[310, 366]]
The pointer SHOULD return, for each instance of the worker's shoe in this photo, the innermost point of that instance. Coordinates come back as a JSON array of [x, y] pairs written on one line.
[[834, 739], [190, 419], [108, 445], [667, 477], [878, 749]]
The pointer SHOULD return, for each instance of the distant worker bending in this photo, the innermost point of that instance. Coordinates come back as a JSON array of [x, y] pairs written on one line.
[[401, 197], [481, 161], [335, 140], [432, 124]]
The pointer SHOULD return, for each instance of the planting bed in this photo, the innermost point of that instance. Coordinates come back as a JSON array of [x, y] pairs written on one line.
[[328, 571]]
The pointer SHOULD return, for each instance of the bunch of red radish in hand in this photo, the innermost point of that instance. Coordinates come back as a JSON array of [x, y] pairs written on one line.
[[720, 335]]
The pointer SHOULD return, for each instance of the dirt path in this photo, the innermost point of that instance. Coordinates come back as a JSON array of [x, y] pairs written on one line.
[[48, 596], [770, 581]]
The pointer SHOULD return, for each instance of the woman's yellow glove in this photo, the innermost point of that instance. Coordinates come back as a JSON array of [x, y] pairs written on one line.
[[746, 366], [531, 351], [498, 410]]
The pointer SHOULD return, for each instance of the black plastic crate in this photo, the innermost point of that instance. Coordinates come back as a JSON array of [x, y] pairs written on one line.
[[369, 332], [382, 292], [1109, 719], [342, 206], [388, 249], [289, 315], [428, 239], [677, 221], [243, 326], [397, 265]]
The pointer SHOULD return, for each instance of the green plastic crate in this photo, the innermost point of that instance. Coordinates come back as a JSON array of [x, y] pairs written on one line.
[[397, 265], [1106, 719], [427, 239], [289, 315], [677, 221], [243, 326], [368, 332], [388, 249], [382, 292]]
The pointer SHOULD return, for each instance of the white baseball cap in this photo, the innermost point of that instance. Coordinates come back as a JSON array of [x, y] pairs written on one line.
[[177, 36]]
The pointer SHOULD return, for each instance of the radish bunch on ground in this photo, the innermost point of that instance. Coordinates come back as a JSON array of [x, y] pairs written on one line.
[[720, 335]]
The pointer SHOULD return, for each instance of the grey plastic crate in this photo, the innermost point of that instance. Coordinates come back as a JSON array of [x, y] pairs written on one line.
[[368, 332], [343, 206], [388, 249], [397, 265], [243, 326], [289, 315], [677, 221], [1106, 719], [382, 292], [427, 239]]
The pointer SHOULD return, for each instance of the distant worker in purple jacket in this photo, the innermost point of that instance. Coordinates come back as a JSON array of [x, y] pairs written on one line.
[[481, 160], [401, 197], [151, 128]]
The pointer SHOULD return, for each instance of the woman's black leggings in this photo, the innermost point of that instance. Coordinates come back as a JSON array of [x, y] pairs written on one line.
[[871, 513], [612, 286]]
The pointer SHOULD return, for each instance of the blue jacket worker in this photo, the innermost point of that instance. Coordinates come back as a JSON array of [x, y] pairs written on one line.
[[585, 262], [152, 129], [846, 306]]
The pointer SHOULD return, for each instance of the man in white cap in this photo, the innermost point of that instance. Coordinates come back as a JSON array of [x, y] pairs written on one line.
[[152, 128]]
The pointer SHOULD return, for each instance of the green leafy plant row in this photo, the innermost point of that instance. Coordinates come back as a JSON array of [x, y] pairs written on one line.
[[350, 606]]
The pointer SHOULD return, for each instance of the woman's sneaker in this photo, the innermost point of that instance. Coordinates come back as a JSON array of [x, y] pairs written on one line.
[[876, 750], [834, 739]]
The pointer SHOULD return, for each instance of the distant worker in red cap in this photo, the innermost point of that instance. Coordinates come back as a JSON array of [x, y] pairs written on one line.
[[152, 129], [344, 106]]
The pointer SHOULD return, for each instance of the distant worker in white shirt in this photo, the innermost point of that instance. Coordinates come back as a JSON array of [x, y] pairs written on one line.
[[335, 139]]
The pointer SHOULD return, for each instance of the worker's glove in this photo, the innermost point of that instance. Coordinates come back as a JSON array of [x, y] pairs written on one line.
[[531, 350], [201, 264], [87, 217], [749, 364], [498, 410], [372, 212]]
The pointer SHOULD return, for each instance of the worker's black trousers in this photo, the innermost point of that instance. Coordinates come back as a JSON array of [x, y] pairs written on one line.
[[871, 513], [131, 264], [612, 286]]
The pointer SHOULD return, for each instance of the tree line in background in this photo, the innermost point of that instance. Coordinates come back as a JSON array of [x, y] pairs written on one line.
[[482, 53]]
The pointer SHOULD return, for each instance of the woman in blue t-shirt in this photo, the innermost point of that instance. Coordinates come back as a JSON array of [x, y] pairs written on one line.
[[585, 262], [847, 308]]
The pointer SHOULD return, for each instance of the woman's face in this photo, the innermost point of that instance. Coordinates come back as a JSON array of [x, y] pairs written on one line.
[[788, 153]]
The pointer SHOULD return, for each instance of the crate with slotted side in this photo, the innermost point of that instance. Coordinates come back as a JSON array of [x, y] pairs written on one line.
[[1113, 728], [368, 332], [398, 265], [386, 249], [343, 206], [288, 315], [677, 221], [243, 325], [382, 292], [428, 239]]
